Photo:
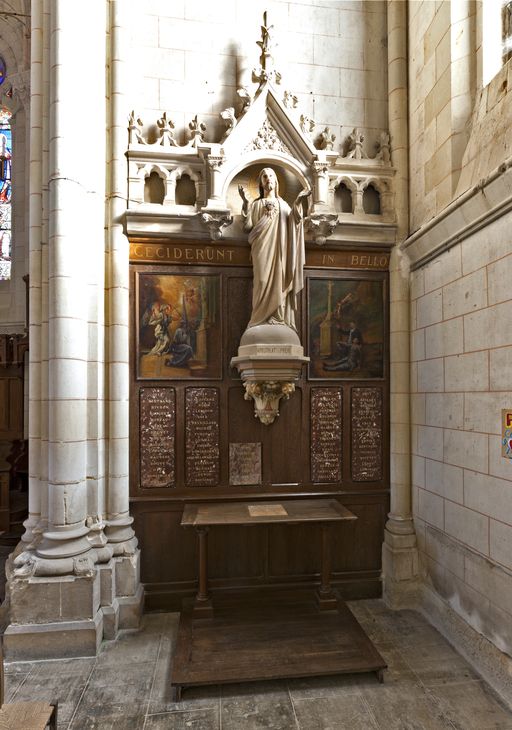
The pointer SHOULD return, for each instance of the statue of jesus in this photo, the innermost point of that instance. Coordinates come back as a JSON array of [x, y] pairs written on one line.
[[277, 251]]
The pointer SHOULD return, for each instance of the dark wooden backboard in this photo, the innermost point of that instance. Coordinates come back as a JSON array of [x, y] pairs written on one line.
[[193, 436]]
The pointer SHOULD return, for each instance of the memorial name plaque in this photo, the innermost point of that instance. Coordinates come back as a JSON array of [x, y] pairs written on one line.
[[267, 510], [366, 434], [202, 450], [326, 434], [157, 436], [244, 464]]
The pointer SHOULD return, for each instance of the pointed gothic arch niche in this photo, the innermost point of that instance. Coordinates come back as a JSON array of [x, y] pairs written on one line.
[[154, 188], [186, 189], [343, 199], [371, 200]]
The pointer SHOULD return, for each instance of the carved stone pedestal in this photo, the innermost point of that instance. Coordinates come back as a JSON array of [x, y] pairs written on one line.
[[269, 360]]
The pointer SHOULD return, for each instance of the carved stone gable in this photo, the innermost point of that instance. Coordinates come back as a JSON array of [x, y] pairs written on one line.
[[267, 138]]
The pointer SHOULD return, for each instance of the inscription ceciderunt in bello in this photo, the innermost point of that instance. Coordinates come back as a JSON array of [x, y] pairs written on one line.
[[240, 256]]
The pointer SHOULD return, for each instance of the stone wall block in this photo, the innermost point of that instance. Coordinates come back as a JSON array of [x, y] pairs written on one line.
[[445, 480], [127, 574], [467, 526], [466, 449], [467, 373], [431, 376], [445, 338], [465, 295], [501, 543], [106, 573], [430, 308], [445, 410], [445, 551]]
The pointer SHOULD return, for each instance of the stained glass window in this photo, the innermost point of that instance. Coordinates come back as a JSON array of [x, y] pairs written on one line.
[[5, 194]]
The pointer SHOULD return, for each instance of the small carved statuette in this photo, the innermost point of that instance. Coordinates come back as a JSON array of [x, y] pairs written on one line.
[[306, 124], [165, 131], [197, 132], [383, 148], [355, 140], [228, 115], [135, 129], [245, 95], [290, 100], [326, 140]]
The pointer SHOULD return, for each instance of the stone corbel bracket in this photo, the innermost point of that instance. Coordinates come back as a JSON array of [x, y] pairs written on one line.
[[266, 396], [321, 226], [216, 222]]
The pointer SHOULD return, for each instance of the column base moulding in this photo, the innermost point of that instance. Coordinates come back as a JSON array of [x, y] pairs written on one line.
[[56, 640], [400, 570]]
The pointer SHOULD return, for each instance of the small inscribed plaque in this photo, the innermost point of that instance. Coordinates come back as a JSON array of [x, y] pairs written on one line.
[[267, 510], [326, 433], [157, 435], [506, 440], [244, 464], [366, 434], [202, 450]]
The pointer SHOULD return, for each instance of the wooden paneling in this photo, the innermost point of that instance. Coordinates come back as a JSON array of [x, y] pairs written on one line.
[[259, 556]]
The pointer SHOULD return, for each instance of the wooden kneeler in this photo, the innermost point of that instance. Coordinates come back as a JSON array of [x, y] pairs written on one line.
[[24, 715]]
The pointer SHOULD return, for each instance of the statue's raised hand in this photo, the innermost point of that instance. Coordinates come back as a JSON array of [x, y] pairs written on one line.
[[245, 204]]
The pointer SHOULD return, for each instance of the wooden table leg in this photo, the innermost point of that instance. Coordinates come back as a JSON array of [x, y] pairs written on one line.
[[326, 599], [203, 605]]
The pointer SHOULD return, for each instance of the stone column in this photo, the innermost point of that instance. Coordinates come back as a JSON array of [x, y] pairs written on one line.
[[128, 592], [54, 584], [399, 553], [34, 315]]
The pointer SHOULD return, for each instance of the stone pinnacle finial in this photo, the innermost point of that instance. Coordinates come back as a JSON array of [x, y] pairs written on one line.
[[266, 72]]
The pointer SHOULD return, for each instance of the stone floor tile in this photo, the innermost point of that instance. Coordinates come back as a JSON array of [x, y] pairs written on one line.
[[188, 720], [451, 671], [267, 689], [472, 706], [66, 689], [193, 698], [337, 685], [416, 656], [130, 648], [12, 683], [19, 667], [54, 667], [92, 714], [334, 713], [405, 708], [254, 713], [107, 722], [131, 678]]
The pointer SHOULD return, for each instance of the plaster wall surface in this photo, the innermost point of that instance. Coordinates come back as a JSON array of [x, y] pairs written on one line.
[[190, 58], [461, 352]]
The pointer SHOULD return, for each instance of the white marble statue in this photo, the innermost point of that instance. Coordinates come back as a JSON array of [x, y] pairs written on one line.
[[277, 251]]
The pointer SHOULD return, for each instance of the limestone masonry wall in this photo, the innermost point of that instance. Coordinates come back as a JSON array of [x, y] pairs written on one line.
[[461, 352], [190, 58]]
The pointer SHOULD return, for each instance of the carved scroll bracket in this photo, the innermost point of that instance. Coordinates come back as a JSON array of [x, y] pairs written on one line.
[[266, 397]]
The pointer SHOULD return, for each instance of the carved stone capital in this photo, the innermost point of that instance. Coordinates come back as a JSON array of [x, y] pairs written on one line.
[[215, 162], [322, 225], [319, 168], [266, 396], [216, 222]]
